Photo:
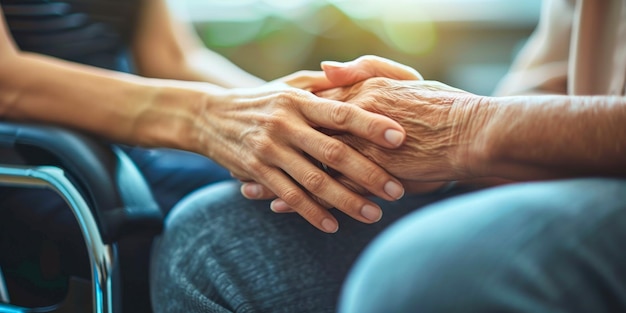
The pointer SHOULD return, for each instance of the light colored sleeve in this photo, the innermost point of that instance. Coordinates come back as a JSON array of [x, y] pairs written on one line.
[[541, 66]]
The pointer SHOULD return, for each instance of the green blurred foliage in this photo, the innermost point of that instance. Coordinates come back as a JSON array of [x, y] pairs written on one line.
[[472, 56]]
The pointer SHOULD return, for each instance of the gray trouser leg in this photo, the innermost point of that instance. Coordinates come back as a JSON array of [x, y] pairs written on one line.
[[223, 253]]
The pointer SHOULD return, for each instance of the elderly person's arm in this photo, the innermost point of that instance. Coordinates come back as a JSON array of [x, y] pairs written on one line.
[[455, 135]]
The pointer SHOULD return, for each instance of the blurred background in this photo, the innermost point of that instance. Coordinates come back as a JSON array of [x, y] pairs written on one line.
[[468, 44]]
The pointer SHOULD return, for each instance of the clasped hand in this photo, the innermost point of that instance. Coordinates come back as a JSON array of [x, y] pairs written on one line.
[[270, 135], [433, 115]]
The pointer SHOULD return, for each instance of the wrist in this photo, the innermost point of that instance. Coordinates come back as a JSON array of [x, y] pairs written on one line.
[[168, 116], [470, 117]]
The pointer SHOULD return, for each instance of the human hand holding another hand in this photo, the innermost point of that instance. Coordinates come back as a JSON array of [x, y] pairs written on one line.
[[436, 118], [269, 134], [341, 74], [360, 171], [439, 131]]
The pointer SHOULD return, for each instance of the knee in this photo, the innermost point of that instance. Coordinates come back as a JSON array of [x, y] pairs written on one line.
[[420, 265], [180, 256], [479, 252]]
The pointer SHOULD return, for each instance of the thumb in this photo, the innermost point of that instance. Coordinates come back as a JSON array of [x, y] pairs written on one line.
[[349, 73]]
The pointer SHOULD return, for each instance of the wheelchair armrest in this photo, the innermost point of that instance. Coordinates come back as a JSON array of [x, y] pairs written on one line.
[[117, 193]]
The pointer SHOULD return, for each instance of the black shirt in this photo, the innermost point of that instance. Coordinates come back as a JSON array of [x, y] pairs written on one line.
[[94, 32]]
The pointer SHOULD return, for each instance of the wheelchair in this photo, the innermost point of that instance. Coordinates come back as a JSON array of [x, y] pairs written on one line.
[[104, 190]]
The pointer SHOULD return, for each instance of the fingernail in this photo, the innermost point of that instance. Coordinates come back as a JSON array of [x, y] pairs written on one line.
[[252, 191], [334, 64], [329, 226], [394, 190], [371, 213], [394, 137], [279, 206]]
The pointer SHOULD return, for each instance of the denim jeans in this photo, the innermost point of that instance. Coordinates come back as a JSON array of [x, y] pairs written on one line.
[[536, 247]]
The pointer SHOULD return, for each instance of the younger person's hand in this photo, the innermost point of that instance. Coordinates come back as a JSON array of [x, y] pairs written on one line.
[[271, 134]]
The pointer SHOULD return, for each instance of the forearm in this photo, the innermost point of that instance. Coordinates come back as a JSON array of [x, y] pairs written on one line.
[[165, 47], [538, 137], [119, 107], [205, 66]]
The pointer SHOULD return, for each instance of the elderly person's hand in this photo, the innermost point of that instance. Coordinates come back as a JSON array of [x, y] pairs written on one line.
[[434, 116]]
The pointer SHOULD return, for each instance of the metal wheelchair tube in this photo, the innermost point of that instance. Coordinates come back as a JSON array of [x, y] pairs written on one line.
[[4, 292], [101, 256]]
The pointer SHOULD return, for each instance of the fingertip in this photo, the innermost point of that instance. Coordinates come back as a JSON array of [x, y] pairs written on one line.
[[383, 67], [329, 226], [372, 213], [251, 190], [394, 189], [340, 73], [333, 65], [418, 75], [280, 206], [332, 70], [394, 137]]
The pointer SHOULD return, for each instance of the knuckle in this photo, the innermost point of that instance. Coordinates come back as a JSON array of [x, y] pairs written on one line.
[[301, 203], [257, 168], [276, 123], [374, 125], [377, 82], [348, 204], [367, 61], [292, 96], [366, 58], [373, 176], [282, 101], [314, 181], [311, 214], [340, 114], [289, 102], [292, 196], [261, 144], [334, 151]]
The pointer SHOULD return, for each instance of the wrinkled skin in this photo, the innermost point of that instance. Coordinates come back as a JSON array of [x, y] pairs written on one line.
[[429, 111], [431, 114]]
